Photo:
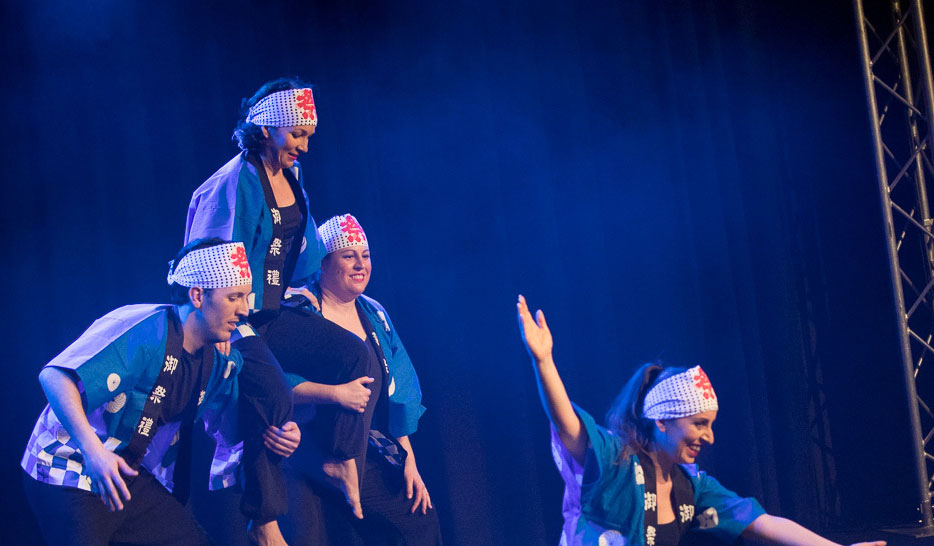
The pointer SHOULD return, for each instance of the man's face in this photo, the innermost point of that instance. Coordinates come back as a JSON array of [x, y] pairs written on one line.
[[222, 309]]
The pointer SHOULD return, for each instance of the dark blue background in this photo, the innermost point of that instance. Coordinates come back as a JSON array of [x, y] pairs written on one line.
[[685, 180]]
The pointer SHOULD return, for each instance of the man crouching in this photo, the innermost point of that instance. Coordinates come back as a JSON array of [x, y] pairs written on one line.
[[109, 457]]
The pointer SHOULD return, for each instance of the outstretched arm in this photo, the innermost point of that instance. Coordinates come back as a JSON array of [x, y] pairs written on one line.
[[776, 530], [538, 341], [101, 465]]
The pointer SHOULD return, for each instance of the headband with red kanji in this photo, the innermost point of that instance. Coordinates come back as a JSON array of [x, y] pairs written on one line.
[[219, 266], [681, 395], [341, 232], [289, 108]]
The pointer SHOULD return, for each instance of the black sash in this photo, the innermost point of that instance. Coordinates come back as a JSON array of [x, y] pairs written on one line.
[[182, 473], [277, 267], [682, 500], [148, 422]]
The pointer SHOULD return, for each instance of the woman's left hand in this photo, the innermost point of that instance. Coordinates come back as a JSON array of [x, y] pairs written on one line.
[[304, 291], [283, 441], [415, 487]]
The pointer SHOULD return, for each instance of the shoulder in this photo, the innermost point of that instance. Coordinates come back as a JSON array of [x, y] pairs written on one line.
[[130, 317], [376, 312], [370, 304], [230, 175]]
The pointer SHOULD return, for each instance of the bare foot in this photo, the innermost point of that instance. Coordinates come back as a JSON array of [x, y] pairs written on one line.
[[343, 476], [266, 534]]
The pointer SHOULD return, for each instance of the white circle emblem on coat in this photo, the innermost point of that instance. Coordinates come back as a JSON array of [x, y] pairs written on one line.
[[116, 404], [113, 381], [611, 538]]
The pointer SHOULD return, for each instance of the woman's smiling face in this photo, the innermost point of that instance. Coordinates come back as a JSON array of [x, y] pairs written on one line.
[[284, 144], [346, 272], [682, 439]]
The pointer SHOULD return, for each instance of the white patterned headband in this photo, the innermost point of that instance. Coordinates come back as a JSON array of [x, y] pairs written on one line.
[[681, 395], [289, 108], [341, 232], [219, 266]]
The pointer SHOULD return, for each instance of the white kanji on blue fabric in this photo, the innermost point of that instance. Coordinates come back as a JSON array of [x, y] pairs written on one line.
[[708, 519], [231, 365], [382, 317], [640, 474], [650, 536]]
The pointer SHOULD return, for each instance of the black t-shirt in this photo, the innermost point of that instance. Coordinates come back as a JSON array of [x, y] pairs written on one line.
[[194, 372], [291, 224], [668, 534]]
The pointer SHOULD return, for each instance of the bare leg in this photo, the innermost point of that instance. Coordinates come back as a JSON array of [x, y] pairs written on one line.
[[343, 476]]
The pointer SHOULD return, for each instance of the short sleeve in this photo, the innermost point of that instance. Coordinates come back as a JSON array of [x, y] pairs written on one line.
[[294, 380], [720, 511], [109, 359], [603, 448]]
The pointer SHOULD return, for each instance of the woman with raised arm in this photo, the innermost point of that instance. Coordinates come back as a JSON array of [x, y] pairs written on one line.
[[634, 482]]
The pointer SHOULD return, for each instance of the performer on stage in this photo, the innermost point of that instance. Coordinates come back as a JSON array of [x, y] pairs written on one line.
[[394, 502], [258, 199], [109, 457], [635, 481]]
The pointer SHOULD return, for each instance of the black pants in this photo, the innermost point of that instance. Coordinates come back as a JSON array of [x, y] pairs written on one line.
[[70, 516], [319, 516], [265, 399], [323, 352]]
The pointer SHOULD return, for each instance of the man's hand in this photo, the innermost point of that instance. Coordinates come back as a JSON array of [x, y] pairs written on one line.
[[106, 470], [283, 441]]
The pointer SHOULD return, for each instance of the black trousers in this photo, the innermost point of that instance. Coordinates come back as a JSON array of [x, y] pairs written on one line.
[[323, 352], [265, 399], [73, 517], [319, 516]]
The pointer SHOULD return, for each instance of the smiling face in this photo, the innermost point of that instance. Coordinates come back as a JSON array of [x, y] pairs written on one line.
[[284, 144], [681, 439], [346, 272], [221, 309]]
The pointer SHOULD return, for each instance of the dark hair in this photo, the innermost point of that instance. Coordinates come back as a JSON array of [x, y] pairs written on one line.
[[625, 416], [178, 294], [249, 136]]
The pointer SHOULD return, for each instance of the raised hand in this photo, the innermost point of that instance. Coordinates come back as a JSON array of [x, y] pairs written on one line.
[[535, 333], [354, 395]]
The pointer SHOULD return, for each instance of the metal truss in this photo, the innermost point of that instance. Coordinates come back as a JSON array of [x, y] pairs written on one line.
[[897, 75]]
